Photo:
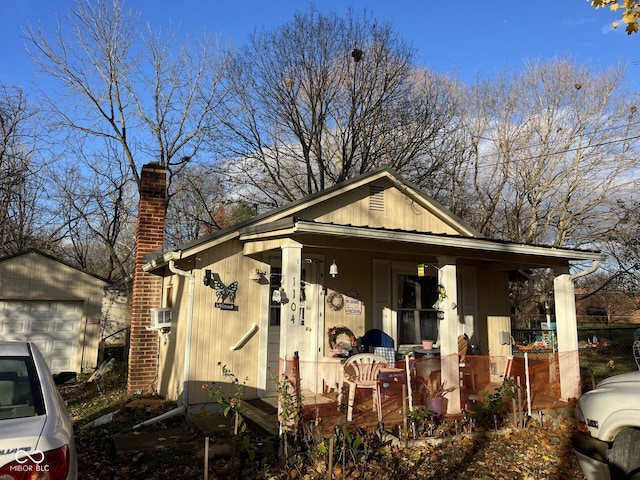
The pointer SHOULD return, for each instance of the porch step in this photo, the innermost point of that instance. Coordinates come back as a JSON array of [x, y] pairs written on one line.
[[261, 416]]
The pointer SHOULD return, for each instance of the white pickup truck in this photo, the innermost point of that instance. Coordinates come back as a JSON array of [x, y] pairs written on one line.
[[607, 441]]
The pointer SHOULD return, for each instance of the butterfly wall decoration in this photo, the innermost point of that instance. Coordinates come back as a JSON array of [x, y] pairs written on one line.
[[223, 292]]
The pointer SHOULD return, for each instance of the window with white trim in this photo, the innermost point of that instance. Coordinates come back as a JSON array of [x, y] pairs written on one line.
[[416, 316]]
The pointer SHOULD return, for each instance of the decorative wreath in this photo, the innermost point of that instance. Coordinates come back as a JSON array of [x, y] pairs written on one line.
[[335, 332], [335, 301]]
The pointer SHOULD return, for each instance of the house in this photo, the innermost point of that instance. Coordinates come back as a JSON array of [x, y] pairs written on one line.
[[55, 305], [373, 252], [606, 307]]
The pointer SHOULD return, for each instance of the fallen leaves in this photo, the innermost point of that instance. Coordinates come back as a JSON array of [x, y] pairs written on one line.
[[534, 453], [518, 455]]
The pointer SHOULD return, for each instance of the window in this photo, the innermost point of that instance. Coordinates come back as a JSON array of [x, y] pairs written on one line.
[[20, 393], [417, 319]]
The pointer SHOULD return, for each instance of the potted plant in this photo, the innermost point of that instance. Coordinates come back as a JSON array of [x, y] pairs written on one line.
[[434, 394], [427, 343]]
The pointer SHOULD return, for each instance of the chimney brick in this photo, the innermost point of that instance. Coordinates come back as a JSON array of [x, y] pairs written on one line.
[[147, 288]]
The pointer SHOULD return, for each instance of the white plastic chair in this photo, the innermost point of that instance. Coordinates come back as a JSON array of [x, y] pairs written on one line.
[[361, 371]]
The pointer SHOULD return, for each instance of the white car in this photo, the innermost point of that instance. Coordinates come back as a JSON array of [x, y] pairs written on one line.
[[607, 442], [36, 430]]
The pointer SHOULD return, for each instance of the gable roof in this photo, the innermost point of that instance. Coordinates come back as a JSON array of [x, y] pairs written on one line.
[[37, 252], [290, 220], [294, 208], [381, 176]]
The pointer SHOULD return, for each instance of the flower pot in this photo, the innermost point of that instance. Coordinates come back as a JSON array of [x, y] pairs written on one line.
[[437, 405], [427, 344]]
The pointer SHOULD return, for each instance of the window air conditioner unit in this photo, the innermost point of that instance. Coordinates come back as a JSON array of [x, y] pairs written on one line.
[[160, 318]]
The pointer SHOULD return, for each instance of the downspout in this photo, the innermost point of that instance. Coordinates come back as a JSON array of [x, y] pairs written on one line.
[[594, 266], [187, 350], [569, 357]]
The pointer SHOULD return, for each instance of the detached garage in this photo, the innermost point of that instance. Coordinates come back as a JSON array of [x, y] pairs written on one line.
[[54, 305]]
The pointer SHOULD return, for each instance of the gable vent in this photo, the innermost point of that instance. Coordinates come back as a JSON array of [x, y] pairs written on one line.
[[376, 198]]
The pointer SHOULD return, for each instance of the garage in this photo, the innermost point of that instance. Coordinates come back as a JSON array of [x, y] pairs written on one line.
[[57, 306], [53, 326]]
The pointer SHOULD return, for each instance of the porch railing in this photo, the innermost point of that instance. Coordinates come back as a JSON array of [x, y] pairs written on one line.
[[604, 351]]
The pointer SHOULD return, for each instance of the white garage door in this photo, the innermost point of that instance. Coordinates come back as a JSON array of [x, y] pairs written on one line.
[[52, 326]]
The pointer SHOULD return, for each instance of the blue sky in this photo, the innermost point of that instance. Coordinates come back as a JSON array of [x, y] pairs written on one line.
[[467, 37]]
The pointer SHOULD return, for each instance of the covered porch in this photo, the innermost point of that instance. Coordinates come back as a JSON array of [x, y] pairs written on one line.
[[537, 393], [407, 285]]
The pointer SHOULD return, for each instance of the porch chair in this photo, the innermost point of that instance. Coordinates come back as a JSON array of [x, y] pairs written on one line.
[[380, 343], [361, 371], [636, 352], [376, 338]]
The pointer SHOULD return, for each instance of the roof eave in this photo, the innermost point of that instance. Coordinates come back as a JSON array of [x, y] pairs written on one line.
[[162, 260], [296, 226], [302, 226]]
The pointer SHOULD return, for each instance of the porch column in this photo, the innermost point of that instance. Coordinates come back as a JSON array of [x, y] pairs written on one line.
[[567, 329], [289, 311], [447, 277]]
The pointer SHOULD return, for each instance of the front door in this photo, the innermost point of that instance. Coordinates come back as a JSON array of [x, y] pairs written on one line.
[[273, 338], [307, 326], [310, 331]]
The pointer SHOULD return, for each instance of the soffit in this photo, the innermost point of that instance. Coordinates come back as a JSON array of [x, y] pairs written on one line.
[[349, 237]]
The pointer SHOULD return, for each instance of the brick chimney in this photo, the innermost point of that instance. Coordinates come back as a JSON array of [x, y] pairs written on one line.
[[147, 288]]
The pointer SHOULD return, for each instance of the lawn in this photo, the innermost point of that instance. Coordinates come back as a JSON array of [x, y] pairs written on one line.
[[614, 357]]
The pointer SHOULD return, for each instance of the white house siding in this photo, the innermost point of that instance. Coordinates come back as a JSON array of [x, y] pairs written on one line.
[[214, 330]]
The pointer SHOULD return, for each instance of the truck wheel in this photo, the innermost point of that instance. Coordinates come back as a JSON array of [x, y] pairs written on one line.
[[624, 456]]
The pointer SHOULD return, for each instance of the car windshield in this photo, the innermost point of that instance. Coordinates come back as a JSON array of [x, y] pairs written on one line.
[[20, 392]]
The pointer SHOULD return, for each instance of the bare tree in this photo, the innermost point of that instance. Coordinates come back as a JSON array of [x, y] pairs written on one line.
[[623, 246], [25, 220], [551, 149], [130, 97], [97, 198], [153, 98], [199, 196], [325, 98]]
